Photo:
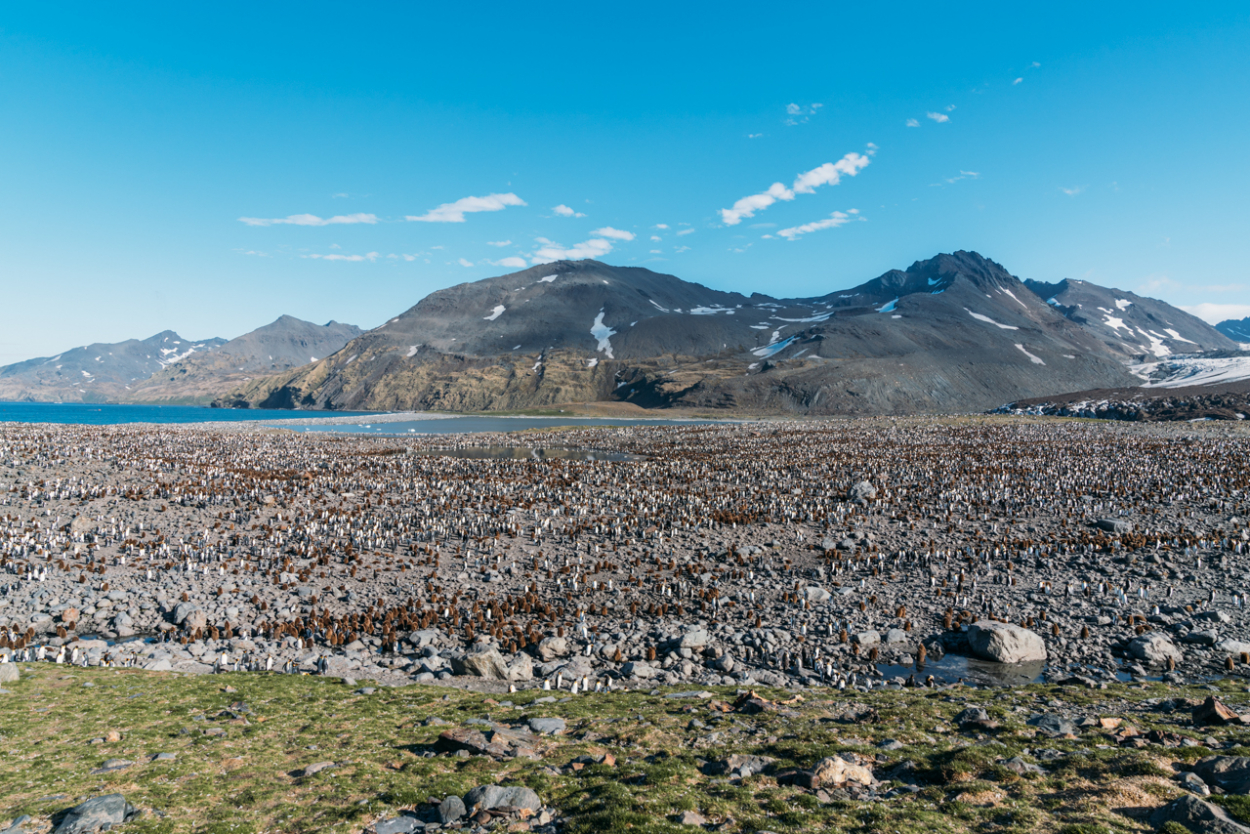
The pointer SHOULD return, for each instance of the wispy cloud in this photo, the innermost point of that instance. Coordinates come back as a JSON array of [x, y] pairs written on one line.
[[616, 234], [1017, 81], [938, 117], [251, 252], [1216, 313], [465, 262], [371, 257], [499, 243], [798, 114], [913, 123], [1073, 191], [754, 135], [455, 212], [838, 218], [565, 211], [963, 175], [552, 251], [512, 262], [310, 220], [830, 173], [685, 232]]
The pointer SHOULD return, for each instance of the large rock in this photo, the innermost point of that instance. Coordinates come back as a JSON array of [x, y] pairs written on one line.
[[486, 797], [100, 813], [638, 669], [9, 673], [695, 638], [1232, 773], [815, 594], [181, 610], [1115, 525], [862, 491], [521, 668], [487, 664], [1198, 816], [836, 771], [1005, 642], [1155, 648], [195, 619], [552, 648]]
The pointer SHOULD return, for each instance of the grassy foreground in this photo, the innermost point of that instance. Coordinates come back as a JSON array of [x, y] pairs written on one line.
[[240, 775]]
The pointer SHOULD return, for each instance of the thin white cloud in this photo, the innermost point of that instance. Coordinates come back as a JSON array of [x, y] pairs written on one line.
[[1073, 191], [754, 135], [656, 238], [838, 218], [455, 212], [500, 243], [465, 262], [371, 257], [685, 232], [552, 251], [793, 109], [1216, 313], [661, 225], [616, 234], [565, 211], [963, 175], [310, 220], [938, 117], [1017, 81], [830, 173], [913, 123], [513, 262], [251, 252]]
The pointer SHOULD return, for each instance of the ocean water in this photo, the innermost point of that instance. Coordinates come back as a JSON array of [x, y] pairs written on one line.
[[343, 422], [98, 414]]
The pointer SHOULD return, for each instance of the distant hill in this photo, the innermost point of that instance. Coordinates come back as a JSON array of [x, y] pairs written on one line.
[[954, 333], [281, 345], [1238, 331], [1131, 326], [98, 372]]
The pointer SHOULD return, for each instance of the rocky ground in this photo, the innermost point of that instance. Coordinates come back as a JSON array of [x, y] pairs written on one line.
[[788, 554], [1225, 401]]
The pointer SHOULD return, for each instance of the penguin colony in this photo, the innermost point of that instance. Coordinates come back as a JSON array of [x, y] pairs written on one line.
[[785, 553]]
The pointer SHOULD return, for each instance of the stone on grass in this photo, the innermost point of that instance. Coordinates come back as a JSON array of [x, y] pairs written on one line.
[[547, 726], [9, 673], [1196, 815], [487, 797], [451, 809], [835, 771], [398, 825], [690, 818], [1005, 642], [316, 767], [1232, 773], [97, 814], [1213, 712]]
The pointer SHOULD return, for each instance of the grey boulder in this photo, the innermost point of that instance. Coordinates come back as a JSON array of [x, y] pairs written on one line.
[[97, 814], [486, 797], [487, 664], [1196, 815], [1232, 773], [1154, 648], [1005, 642], [9, 673]]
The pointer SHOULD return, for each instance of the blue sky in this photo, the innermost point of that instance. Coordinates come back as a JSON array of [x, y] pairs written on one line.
[[146, 152]]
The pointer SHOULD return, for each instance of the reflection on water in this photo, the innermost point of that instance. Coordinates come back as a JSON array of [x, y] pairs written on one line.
[[952, 667], [529, 453]]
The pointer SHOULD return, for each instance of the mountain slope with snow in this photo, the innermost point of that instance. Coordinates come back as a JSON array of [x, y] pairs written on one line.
[[951, 333], [1132, 327], [98, 372]]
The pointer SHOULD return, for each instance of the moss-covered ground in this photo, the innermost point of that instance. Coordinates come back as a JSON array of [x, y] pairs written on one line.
[[240, 741]]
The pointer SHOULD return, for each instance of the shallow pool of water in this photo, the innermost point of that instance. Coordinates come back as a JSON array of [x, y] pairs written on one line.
[[952, 668]]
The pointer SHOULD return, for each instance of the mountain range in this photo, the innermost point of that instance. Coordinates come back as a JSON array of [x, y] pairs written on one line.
[[167, 368], [953, 333], [1237, 330]]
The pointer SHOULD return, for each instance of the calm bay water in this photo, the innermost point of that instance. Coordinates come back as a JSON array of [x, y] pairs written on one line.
[[95, 414]]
